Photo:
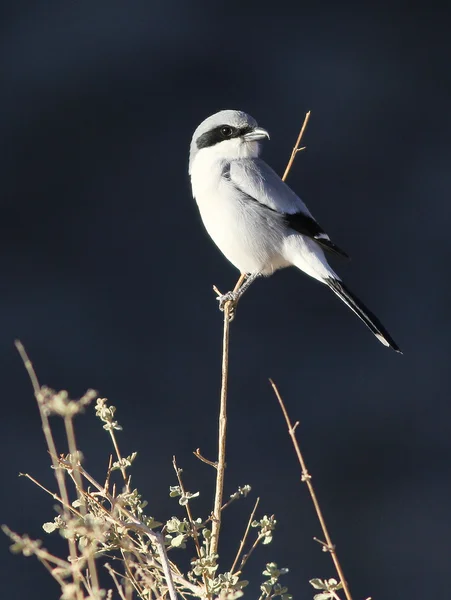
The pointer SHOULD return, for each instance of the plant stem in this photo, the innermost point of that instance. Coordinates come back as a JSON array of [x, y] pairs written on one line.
[[297, 148], [216, 526], [243, 541], [307, 478]]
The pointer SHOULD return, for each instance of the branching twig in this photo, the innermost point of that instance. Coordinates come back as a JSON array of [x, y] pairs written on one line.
[[52, 494], [246, 533], [198, 455], [297, 148], [247, 556], [306, 477]]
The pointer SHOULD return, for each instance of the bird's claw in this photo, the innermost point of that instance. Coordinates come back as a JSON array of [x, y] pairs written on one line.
[[229, 297], [224, 298]]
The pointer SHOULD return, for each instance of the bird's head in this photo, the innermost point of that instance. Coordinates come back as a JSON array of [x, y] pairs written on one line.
[[227, 135]]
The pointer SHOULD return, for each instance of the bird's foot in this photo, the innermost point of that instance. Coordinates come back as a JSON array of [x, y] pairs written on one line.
[[230, 298]]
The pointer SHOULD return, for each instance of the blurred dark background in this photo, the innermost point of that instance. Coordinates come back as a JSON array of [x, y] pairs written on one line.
[[107, 272]]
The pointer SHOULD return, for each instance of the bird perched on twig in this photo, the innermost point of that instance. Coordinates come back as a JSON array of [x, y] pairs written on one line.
[[254, 218]]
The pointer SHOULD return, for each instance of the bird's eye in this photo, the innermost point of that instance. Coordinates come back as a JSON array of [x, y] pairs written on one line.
[[226, 131]]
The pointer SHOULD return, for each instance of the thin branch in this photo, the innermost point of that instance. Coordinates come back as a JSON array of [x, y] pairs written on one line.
[[324, 545], [306, 477], [198, 455], [297, 147], [239, 282], [52, 494], [216, 525], [247, 556], [246, 533], [233, 498]]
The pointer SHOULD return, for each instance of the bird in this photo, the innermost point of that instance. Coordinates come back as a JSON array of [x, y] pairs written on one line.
[[255, 219]]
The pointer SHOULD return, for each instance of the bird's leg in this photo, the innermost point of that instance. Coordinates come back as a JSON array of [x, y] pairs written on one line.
[[234, 296]]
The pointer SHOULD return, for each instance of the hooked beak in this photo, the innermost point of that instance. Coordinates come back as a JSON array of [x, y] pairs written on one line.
[[256, 134]]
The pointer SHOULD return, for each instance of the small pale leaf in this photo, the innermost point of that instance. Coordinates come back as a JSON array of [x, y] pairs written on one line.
[[318, 584], [177, 541]]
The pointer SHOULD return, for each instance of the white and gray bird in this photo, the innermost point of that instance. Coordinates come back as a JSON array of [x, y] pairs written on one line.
[[254, 218]]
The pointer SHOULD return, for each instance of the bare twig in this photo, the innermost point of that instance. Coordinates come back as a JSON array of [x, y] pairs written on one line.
[[306, 477], [198, 455], [220, 465], [297, 147], [246, 533], [247, 556], [216, 525], [52, 494], [232, 498], [239, 282]]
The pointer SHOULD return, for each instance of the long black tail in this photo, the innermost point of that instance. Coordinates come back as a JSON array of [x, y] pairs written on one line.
[[370, 320]]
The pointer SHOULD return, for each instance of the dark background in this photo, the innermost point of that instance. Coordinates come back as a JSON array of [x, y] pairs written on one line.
[[106, 271]]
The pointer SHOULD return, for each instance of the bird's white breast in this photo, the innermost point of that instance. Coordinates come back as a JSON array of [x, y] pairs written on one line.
[[238, 227]]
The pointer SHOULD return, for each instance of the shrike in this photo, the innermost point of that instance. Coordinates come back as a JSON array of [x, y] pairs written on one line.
[[254, 218]]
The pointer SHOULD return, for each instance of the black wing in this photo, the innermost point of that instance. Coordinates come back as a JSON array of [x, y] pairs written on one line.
[[306, 225]]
